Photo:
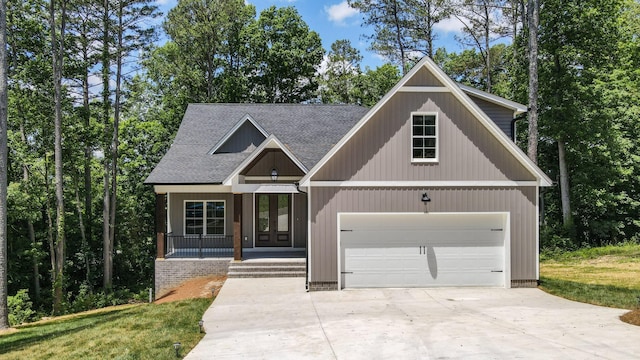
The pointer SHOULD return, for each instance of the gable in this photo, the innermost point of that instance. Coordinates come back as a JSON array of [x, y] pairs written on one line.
[[245, 136], [269, 159], [464, 110], [381, 149]]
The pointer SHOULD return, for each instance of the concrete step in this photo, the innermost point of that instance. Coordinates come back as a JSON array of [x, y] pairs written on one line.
[[266, 268], [276, 274]]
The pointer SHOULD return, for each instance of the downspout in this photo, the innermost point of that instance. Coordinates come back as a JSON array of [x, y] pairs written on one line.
[[513, 124], [306, 248]]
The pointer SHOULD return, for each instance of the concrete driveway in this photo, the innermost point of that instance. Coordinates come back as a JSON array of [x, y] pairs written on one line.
[[277, 319]]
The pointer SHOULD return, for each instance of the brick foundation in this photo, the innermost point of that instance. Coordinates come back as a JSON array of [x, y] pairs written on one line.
[[524, 283], [323, 285], [170, 273]]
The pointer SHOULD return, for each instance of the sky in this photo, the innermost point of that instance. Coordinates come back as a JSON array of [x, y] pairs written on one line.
[[335, 20]]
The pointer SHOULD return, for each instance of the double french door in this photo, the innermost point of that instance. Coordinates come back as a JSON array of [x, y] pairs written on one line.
[[273, 220]]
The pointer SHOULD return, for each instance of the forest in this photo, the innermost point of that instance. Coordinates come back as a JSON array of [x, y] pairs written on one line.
[[94, 100]]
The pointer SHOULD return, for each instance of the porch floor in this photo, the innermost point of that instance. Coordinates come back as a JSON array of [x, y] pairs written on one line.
[[247, 255]]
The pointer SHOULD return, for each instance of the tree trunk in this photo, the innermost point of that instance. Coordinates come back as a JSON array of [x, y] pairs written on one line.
[[487, 45], [87, 145], [4, 290], [106, 63], [57, 48], [533, 17], [564, 184], [30, 229], [83, 237], [115, 140]]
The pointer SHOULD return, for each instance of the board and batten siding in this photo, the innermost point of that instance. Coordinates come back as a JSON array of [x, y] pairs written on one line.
[[381, 149], [327, 202], [176, 209], [300, 222]]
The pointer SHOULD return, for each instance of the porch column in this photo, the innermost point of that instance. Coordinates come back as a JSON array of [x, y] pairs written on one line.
[[237, 226], [161, 224]]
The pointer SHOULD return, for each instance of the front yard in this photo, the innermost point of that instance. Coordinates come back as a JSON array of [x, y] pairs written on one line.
[[606, 276]]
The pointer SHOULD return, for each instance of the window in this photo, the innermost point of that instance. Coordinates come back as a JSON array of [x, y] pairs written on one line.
[[424, 137], [204, 217]]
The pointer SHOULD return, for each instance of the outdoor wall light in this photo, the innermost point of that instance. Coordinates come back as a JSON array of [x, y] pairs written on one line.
[[201, 324], [425, 198], [176, 346], [274, 174]]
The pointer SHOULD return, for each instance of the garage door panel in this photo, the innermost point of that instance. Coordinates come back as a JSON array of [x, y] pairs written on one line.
[[413, 250]]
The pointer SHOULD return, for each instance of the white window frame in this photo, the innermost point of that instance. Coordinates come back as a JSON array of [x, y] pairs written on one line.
[[204, 217], [436, 137]]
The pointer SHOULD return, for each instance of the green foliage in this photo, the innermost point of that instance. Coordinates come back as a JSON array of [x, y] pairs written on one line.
[[603, 295], [20, 308], [372, 85]]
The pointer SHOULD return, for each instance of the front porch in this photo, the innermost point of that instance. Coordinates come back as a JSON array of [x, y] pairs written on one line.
[[225, 225]]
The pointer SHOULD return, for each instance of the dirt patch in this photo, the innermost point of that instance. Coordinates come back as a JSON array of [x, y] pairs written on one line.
[[201, 287], [7, 331], [632, 317]]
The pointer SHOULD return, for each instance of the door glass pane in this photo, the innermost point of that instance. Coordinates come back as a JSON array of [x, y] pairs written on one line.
[[263, 213], [283, 213]]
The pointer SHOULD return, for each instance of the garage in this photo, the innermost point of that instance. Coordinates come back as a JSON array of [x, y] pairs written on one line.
[[423, 249]]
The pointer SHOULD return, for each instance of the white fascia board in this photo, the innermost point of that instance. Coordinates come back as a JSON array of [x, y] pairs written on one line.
[[424, 184], [191, 188], [270, 142], [235, 128], [511, 105], [425, 89]]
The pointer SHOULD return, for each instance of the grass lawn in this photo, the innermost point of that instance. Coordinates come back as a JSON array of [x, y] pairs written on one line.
[[145, 331], [607, 276]]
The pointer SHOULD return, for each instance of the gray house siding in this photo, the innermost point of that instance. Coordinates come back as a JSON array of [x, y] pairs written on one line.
[[327, 202], [245, 139], [499, 114], [300, 229], [381, 149], [423, 77]]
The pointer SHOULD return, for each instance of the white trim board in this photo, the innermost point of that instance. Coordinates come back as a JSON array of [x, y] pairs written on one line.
[[445, 183]]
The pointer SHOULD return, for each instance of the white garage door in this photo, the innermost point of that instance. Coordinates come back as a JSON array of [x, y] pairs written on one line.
[[422, 250]]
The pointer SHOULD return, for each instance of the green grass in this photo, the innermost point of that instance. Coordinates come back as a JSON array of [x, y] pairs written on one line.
[[145, 331], [607, 276]]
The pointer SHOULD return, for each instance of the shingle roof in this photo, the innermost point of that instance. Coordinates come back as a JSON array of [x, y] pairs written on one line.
[[308, 131]]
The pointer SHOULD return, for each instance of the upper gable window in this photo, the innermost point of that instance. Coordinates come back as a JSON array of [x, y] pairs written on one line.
[[424, 137]]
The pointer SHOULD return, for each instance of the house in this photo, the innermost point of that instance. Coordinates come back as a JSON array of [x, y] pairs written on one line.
[[424, 189]]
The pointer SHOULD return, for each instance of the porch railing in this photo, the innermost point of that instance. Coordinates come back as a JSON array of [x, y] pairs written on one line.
[[198, 246]]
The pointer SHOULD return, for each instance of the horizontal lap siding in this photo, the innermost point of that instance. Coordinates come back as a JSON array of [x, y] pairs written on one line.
[[499, 114], [381, 149], [327, 202]]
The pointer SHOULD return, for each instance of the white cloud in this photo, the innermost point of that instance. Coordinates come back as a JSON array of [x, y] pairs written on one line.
[[450, 24], [339, 12], [166, 2]]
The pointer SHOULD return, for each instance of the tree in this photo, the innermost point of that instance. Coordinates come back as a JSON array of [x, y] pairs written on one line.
[[533, 22], [4, 290], [391, 23], [285, 57], [57, 52], [208, 48], [372, 85], [425, 14], [342, 68], [482, 25], [577, 43]]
